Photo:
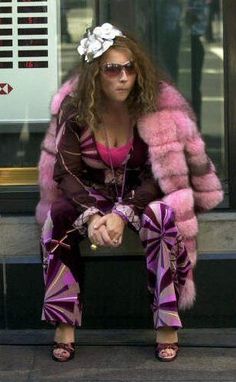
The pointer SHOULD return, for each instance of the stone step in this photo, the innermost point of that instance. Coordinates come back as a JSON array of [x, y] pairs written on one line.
[[115, 292], [19, 236], [203, 337]]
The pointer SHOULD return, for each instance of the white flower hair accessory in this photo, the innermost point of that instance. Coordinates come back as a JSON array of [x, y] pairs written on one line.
[[98, 41]]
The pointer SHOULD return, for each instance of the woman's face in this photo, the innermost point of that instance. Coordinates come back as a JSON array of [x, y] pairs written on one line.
[[117, 74]]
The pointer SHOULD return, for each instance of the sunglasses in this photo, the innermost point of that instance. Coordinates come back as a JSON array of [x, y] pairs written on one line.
[[114, 70]]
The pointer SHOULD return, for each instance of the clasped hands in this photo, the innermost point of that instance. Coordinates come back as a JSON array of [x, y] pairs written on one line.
[[105, 231]]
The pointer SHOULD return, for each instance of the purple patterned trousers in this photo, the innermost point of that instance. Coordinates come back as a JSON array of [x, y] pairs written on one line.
[[167, 263]]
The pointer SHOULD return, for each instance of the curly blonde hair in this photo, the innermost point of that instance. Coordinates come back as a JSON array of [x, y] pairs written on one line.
[[141, 100]]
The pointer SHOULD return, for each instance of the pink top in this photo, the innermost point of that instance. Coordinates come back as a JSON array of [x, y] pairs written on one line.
[[115, 154]]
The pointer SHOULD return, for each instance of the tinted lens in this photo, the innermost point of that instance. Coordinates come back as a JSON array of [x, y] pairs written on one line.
[[129, 68], [113, 70]]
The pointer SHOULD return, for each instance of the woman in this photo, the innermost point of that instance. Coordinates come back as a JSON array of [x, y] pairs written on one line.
[[128, 153]]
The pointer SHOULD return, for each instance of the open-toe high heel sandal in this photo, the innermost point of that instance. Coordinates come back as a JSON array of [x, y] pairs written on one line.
[[63, 352], [162, 350]]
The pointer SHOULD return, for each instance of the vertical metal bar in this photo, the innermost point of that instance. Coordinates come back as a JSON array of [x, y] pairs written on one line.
[[229, 12], [97, 11], [4, 293]]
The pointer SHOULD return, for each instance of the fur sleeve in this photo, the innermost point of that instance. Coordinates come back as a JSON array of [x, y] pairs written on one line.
[[207, 189], [206, 185]]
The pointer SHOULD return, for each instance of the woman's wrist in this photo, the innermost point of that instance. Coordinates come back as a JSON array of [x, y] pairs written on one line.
[[121, 216], [93, 218]]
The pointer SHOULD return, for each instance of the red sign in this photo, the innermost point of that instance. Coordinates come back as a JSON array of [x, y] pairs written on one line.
[[5, 89]]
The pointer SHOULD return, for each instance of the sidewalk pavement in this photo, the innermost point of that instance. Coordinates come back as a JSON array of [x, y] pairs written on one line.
[[118, 356]]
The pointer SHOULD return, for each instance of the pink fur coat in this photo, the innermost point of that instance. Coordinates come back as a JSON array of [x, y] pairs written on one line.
[[185, 173]]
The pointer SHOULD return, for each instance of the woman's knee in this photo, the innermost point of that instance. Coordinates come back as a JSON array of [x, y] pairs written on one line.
[[159, 209]]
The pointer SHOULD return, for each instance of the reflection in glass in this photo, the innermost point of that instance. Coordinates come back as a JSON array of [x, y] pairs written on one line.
[[208, 79], [76, 16]]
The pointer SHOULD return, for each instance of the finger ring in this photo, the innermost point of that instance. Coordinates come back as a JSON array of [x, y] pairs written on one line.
[[93, 247]]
